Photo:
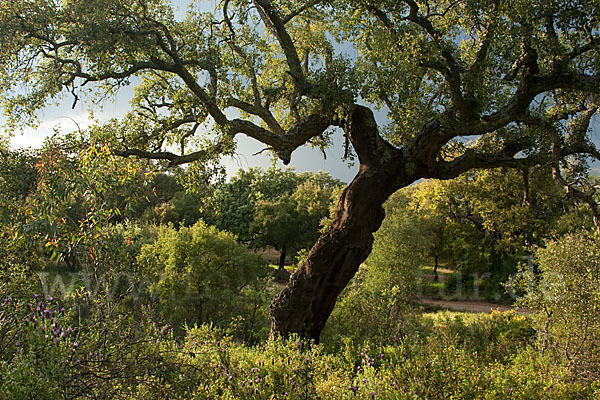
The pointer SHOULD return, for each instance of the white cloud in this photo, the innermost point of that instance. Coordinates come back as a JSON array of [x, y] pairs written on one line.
[[34, 137]]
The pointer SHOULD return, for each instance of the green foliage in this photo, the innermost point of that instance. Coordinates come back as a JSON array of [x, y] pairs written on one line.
[[292, 222], [182, 209], [376, 304], [454, 356], [202, 275], [234, 202], [278, 208], [490, 217], [54, 350], [73, 199], [567, 296]]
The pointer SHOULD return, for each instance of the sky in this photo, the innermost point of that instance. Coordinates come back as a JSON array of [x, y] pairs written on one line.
[[63, 118]]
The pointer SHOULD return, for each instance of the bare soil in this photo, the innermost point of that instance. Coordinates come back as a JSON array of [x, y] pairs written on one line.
[[473, 306]]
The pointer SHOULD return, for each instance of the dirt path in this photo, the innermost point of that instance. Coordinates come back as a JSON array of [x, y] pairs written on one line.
[[473, 306]]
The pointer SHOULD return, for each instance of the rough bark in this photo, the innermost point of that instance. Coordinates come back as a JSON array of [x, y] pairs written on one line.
[[282, 257], [306, 302]]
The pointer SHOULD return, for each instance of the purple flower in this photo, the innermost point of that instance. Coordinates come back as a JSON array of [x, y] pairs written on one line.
[[6, 300]]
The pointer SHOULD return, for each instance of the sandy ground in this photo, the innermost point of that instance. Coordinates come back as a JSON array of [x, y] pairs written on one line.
[[473, 306]]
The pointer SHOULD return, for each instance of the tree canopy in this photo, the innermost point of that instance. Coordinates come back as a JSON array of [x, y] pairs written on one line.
[[467, 84]]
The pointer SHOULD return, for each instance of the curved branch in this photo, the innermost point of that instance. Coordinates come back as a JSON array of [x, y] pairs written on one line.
[[259, 111], [276, 25], [300, 10]]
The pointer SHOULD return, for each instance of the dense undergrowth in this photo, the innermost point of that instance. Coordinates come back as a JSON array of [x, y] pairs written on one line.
[[115, 342], [95, 306], [441, 355]]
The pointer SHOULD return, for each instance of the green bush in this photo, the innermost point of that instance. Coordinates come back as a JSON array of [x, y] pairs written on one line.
[[431, 365], [51, 350], [202, 275], [567, 297], [377, 302]]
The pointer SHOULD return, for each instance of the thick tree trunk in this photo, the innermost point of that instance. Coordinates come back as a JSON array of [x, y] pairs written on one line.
[[306, 302], [282, 257]]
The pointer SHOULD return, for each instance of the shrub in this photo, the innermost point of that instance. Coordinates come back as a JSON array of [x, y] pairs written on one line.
[[53, 351], [202, 275], [377, 302], [567, 297]]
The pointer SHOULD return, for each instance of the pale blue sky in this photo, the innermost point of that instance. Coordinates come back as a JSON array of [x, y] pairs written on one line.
[[64, 119]]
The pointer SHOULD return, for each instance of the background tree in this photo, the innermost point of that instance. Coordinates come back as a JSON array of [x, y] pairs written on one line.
[[566, 296], [495, 70], [431, 218], [233, 204], [282, 225], [292, 222]]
